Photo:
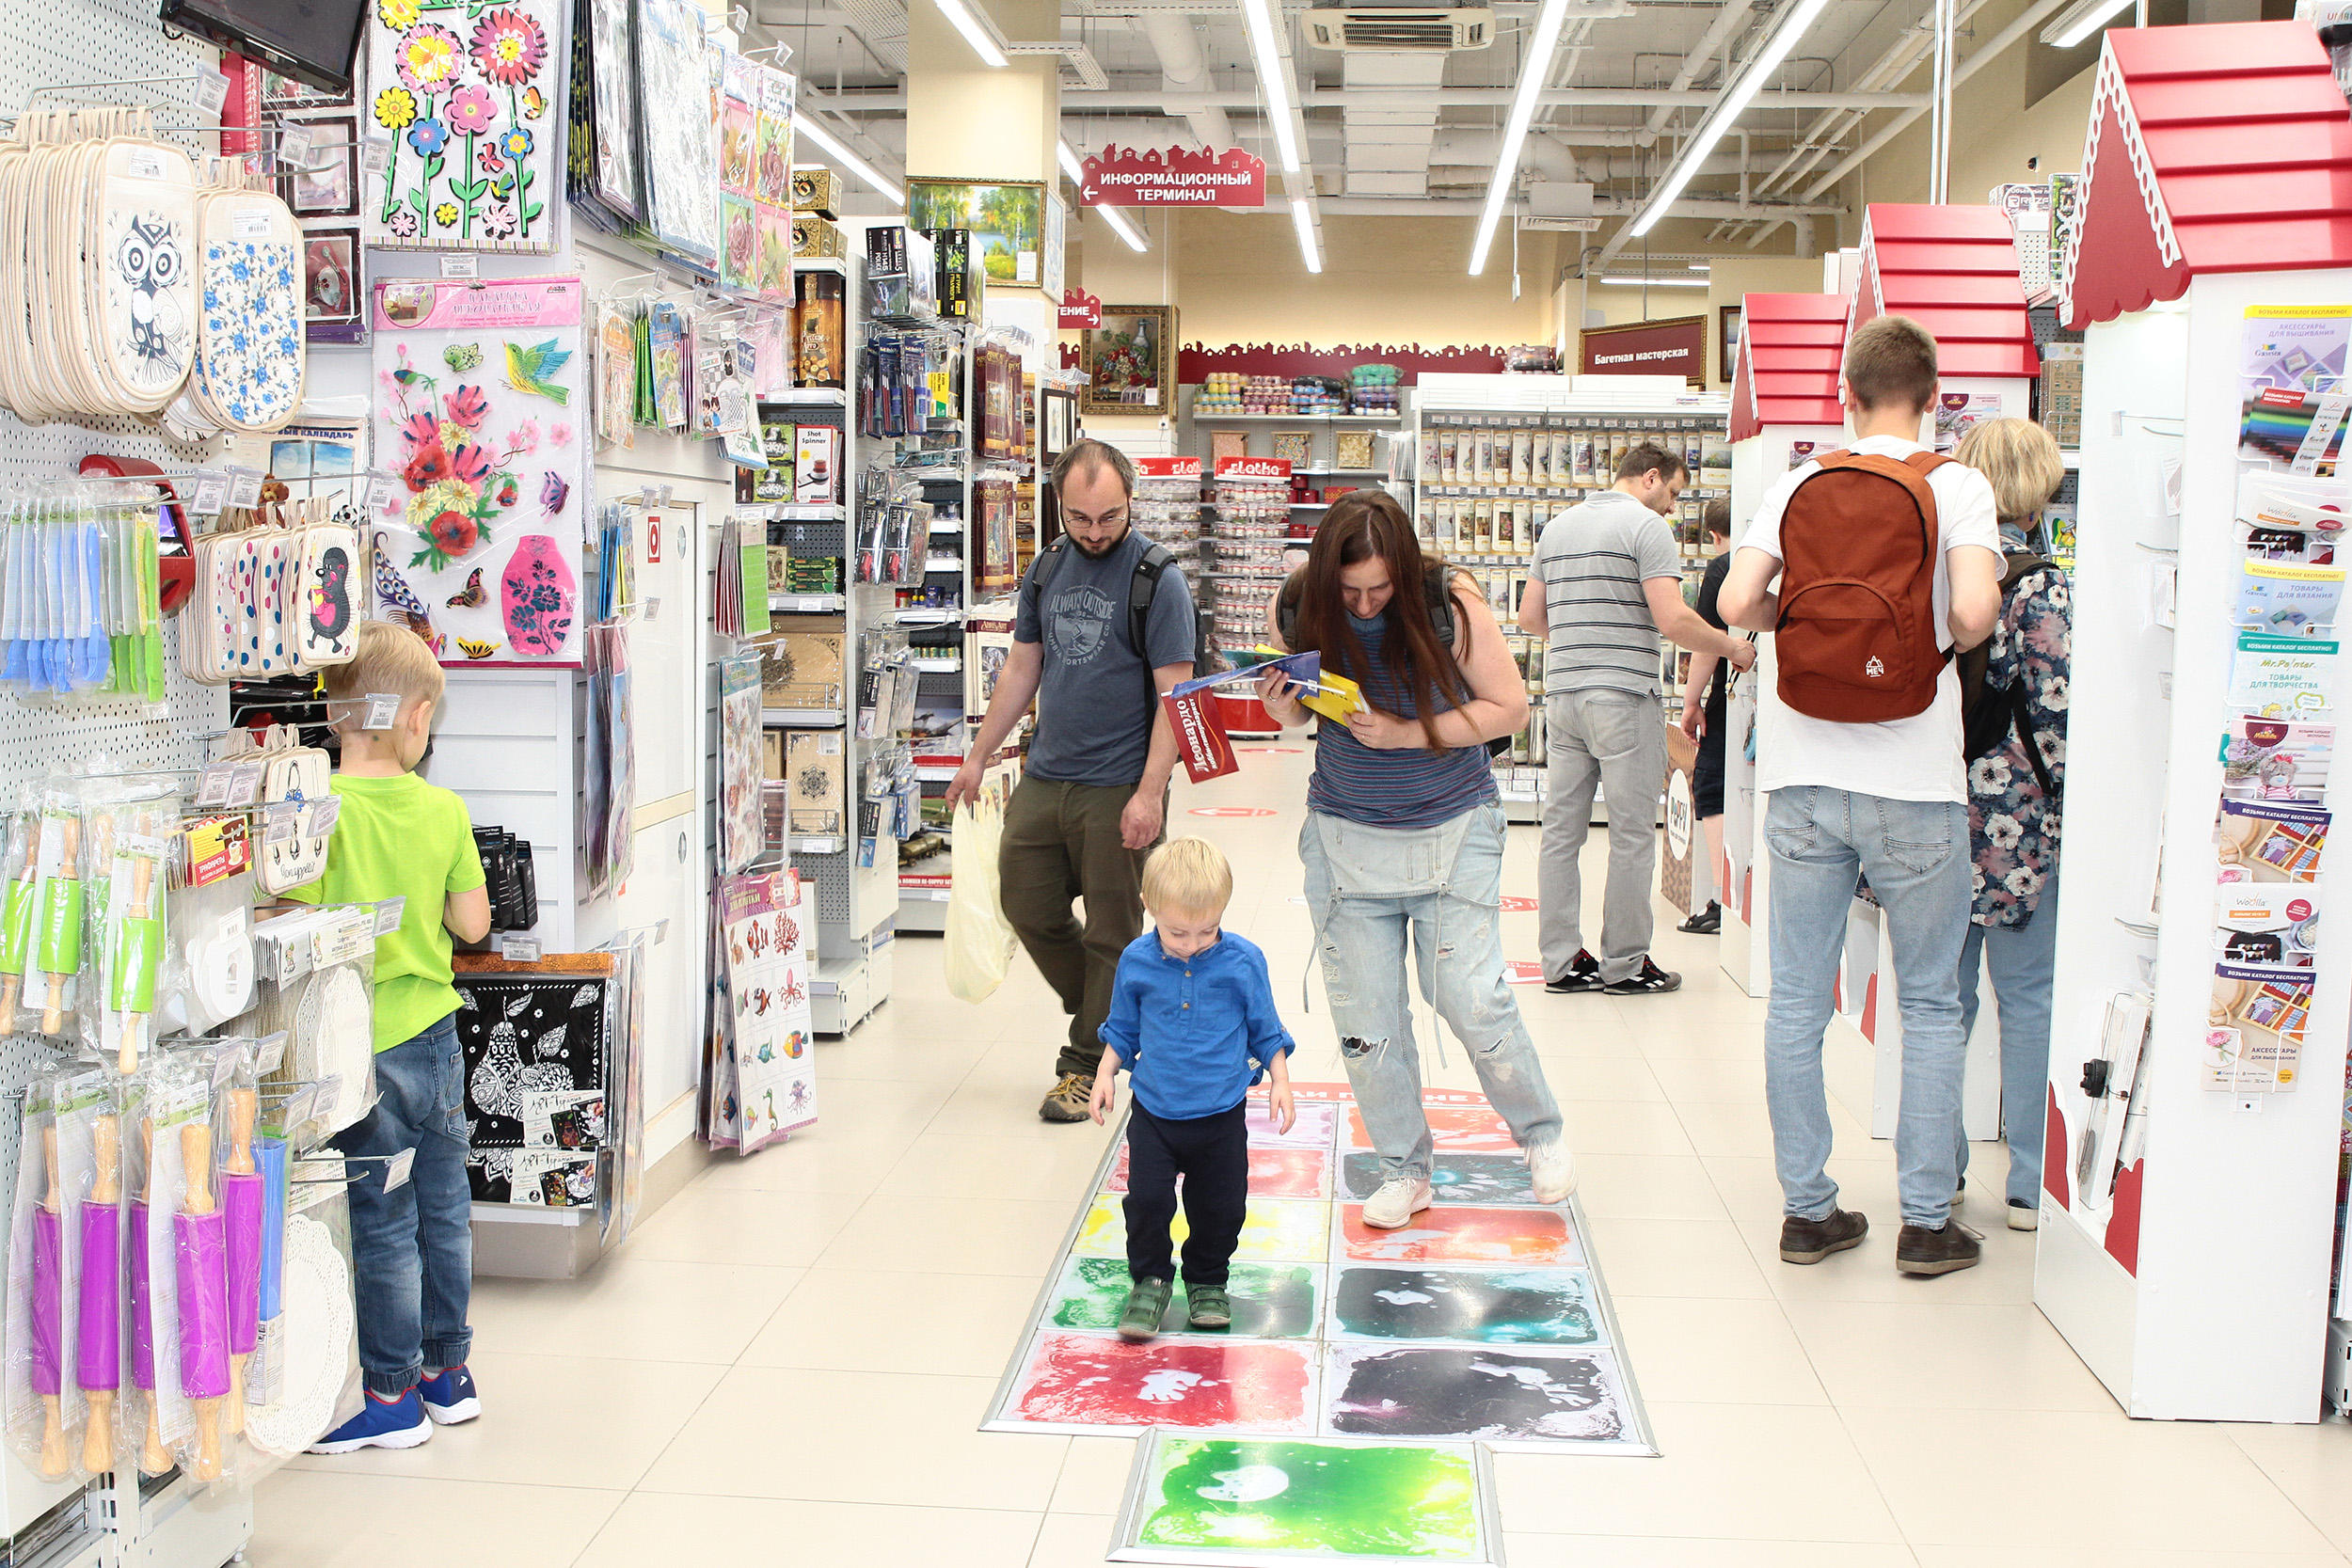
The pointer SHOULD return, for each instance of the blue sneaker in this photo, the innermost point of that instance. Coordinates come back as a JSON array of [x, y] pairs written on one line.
[[381, 1423], [451, 1398]]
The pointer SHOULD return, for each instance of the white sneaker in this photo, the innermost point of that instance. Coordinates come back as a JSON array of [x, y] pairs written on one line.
[[1552, 1171], [1395, 1204], [2022, 1217]]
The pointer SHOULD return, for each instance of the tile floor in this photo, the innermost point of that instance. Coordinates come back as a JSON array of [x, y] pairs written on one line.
[[790, 1362]]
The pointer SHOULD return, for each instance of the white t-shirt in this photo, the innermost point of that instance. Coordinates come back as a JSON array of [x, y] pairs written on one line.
[[1900, 759]]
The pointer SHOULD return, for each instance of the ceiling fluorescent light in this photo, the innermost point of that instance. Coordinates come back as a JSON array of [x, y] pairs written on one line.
[[1076, 170], [1277, 97], [1303, 218], [2079, 21], [1615, 281], [806, 125], [974, 32], [1727, 109], [1533, 70]]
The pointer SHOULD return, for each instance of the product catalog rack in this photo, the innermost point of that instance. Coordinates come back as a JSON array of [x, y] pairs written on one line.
[[1490, 459]]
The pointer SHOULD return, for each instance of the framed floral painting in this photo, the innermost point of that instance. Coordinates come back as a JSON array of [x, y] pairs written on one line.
[[463, 144], [1132, 360]]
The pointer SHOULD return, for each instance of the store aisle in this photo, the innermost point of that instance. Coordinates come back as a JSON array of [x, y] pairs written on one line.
[[790, 1362]]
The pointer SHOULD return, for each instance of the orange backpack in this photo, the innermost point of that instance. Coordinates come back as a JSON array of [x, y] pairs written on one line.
[[1856, 640]]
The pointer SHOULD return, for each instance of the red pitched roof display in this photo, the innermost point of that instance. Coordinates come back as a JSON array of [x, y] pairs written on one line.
[[1953, 270], [2220, 148], [1786, 370]]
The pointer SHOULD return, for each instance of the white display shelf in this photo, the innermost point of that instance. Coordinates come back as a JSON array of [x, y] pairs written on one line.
[[832, 264], [807, 604], [802, 718], [815, 844], [839, 396], [947, 665], [1296, 419]]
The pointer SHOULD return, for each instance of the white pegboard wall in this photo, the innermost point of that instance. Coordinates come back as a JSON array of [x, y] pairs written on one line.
[[54, 42]]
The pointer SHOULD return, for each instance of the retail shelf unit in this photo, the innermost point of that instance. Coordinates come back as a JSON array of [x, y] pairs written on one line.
[[1487, 519], [939, 702], [2181, 1197], [855, 900], [1310, 443]]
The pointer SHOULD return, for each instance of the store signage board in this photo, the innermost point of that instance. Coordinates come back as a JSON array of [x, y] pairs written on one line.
[[1080, 308], [1671, 347], [1253, 467], [1169, 467], [1173, 177]]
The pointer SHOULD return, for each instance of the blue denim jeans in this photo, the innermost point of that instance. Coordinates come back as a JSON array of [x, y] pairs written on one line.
[[2023, 961], [1370, 888], [1916, 853], [412, 1248]]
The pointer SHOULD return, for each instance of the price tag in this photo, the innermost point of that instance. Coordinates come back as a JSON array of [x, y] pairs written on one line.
[[460, 263], [249, 227], [224, 1067], [517, 948], [294, 144], [212, 91], [245, 783], [279, 822], [301, 1106], [144, 164], [382, 489], [396, 1169], [268, 1053], [324, 814], [383, 709], [210, 494], [653, 608], [245, 486], [387, 915], [212, 787], [375, 156], [326, 1095]]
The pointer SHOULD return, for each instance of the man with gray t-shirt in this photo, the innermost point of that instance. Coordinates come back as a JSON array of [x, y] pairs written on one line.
[[1093, 792], [1608, 581]]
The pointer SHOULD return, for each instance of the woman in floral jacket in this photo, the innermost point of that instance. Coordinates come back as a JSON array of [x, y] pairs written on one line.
[[2012, 817]]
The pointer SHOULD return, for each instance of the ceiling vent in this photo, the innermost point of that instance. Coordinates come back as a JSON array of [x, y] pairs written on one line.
[[1401, 29]]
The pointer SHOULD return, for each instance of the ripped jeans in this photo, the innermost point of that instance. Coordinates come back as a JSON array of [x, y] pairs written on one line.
[[1367, 887]]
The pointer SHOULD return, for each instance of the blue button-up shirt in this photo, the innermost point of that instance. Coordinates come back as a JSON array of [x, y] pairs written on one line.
[[1195, 1032]]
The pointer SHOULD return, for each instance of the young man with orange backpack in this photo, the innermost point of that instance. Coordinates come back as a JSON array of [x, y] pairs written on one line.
[[1888, 560]]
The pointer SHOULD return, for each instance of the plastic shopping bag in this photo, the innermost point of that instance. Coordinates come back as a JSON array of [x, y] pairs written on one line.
[[980, 937]]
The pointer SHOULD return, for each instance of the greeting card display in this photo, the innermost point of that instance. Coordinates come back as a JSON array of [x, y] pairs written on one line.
[[767, 930], [479, 409], [460, 120]]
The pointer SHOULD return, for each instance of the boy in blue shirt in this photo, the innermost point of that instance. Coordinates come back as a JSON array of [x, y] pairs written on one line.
[[1203, 997]]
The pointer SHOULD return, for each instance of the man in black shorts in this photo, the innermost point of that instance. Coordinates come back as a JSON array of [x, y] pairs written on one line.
[[1708, 676]]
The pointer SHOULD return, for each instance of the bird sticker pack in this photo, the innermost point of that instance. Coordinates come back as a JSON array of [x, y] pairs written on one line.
[[769, 1063], [464, 125], [481, 448]]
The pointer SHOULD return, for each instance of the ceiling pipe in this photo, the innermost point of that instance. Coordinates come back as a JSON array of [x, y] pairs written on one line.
[[1702, 52], [1822, 137], [2032, 18], [1177, 42], [893, 101], [1547, 157]]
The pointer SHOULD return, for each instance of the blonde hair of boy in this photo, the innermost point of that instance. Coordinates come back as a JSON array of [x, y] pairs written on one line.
[[2020, 460], [1890, 363], [390, 660], [1189, 876]]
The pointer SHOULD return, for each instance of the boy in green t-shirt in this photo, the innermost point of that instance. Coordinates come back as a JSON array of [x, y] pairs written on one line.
[[411, 1247]]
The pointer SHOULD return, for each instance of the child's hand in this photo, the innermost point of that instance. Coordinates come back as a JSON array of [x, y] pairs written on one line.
[[1106, 1094], [1279, 1104]]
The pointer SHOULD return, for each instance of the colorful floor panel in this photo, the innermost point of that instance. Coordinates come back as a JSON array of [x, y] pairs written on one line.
[[1485, 1322]]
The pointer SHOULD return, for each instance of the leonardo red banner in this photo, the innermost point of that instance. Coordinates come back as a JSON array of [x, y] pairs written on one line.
[[1672, 347], [1173, 177]]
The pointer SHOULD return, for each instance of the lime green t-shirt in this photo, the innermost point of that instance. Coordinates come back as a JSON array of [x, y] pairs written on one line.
[[401, 838]]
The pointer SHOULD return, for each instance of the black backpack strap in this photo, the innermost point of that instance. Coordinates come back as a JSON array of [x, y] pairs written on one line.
[[1154, 560]]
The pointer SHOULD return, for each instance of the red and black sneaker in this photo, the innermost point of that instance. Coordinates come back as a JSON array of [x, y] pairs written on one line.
[[1583, 976], [1649, 980]]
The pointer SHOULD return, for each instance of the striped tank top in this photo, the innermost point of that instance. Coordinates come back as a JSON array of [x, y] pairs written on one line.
[[1416, 788]]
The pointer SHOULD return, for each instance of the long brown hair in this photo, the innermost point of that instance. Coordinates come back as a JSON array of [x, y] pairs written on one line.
[[1360, 525]]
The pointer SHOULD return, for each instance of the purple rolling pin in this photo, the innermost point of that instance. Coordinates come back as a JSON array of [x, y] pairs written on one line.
[[241, 1198], [153, 1458], [202, 1254], [97, 1359], [48, 1312]]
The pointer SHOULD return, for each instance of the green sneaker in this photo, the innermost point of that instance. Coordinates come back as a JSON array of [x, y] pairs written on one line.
[[1147, 1304], [1208, 1307]]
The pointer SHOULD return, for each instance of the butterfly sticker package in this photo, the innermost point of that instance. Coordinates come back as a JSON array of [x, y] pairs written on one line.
[[482, 410]]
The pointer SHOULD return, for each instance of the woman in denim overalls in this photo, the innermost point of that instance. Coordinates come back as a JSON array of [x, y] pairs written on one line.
[[1404, 831]]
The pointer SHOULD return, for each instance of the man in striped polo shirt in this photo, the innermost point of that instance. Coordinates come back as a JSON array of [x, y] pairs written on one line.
[[1611, 581]]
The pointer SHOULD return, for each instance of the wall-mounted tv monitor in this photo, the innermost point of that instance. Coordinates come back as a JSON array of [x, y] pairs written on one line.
[[311, 40]]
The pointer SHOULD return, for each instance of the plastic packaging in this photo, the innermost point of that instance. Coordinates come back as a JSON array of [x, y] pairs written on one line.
[[201, 1253], [18, 905], [57, 957], [242, 1200], [153, 1459], [980, 937], [98, 1328], [127, 825]]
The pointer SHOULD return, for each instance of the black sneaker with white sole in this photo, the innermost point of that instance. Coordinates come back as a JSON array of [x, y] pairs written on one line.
[[1583, 976], [1649, 980]]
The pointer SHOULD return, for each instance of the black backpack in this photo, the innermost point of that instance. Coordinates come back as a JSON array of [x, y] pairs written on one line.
[[1989, 715], [1154, 560]]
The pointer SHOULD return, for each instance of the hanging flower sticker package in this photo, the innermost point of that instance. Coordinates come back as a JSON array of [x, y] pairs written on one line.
[[462, 91], [681, 154], [767, 957], [480, 402]]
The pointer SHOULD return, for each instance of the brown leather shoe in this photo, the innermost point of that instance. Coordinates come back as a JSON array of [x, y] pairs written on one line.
[[1804, 1240], [1946, 1249], [1067, 1100]]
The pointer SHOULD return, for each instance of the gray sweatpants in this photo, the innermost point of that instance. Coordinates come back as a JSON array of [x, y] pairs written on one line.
[[1615, 739]]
